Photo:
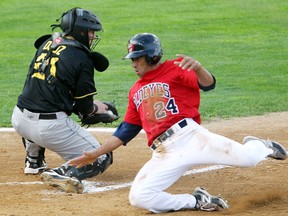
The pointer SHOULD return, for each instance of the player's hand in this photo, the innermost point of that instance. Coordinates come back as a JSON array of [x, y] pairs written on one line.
[[187, 62], [85, 159], [102, 108]]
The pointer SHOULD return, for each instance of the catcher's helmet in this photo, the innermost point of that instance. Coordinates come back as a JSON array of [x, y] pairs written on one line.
[[76, 22], [145, 44]]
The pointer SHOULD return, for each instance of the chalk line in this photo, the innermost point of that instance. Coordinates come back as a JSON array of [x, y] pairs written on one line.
[[89, 129], [95, 187], [90, 186]]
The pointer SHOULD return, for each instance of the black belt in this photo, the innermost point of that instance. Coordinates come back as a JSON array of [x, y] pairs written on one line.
[[168, 133], [44, 115]]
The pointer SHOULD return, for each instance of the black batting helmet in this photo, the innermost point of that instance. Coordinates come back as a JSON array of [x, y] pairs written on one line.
[[76, 22], [145, 44]]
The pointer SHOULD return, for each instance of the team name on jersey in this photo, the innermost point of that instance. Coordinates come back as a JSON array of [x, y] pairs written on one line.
[[156, 89]]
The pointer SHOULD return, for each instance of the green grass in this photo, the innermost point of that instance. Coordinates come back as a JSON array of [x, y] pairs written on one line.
[[243, 43]]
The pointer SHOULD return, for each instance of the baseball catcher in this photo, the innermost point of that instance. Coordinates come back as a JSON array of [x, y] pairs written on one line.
[[60, 82]]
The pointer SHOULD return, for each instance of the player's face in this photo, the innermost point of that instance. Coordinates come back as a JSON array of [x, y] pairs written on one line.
[[93, 39], [92, 36], [140, 66]]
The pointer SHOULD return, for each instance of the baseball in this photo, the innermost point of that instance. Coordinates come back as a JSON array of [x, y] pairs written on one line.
[[110, 112]]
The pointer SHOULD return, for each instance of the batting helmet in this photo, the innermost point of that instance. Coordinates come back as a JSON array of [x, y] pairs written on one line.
[[145, 44], [77, 22]]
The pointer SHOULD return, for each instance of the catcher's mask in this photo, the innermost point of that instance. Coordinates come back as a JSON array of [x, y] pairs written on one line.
[[76, 22], [145, 44]]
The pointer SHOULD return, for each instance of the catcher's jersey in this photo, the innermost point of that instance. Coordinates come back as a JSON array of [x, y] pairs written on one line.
[[72, 67], [163, 97]]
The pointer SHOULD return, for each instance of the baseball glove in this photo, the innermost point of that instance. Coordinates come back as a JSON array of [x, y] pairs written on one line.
[[109, 117]]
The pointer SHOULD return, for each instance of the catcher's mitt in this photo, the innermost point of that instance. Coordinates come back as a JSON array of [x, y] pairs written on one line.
[[110, 116]]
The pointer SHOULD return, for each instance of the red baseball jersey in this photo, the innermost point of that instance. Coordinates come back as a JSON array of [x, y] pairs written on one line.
[[163, 97]]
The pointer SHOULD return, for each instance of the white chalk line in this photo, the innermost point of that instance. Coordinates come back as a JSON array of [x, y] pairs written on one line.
[[95, 187], [108, 130], [91, 129]]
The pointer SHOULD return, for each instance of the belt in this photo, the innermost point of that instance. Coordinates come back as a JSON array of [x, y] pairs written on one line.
[[168, 133], [44, 116]]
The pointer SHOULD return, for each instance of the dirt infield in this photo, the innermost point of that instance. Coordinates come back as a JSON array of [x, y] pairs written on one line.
[[260, 190]]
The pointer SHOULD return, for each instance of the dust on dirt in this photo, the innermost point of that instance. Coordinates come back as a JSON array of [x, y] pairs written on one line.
[[260, 190]]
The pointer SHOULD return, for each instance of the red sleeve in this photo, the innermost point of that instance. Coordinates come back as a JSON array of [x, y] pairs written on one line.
[[131, 115], [188, 78]]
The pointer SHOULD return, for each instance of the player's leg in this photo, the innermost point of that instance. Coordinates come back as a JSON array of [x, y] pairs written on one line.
[[158, 174], [27, 127], [70, 140], [35, 157], [211, 148], [69, 178], [155, 176], [62, 136]]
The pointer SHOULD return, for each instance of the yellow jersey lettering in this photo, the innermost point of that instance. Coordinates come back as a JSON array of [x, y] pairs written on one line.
[[41, 57], [37, 65], [38, 76], [59, 50], [47, 45], [53, 66]]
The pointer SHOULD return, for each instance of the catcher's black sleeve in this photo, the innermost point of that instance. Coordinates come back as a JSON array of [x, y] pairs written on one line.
[[84, 106], [126, 131]]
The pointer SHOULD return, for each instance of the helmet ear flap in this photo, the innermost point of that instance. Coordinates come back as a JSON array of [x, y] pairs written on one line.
[[68, 20], [152, 60], [77, 22]]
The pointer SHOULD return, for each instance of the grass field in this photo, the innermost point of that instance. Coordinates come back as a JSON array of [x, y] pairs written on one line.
[[243, 43]]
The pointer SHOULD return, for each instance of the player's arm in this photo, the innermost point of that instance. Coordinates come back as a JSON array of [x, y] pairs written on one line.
[[208, 88], [90, 156], [124, 133], [85, 91], [84, 105], [205, 78], [127, 131]]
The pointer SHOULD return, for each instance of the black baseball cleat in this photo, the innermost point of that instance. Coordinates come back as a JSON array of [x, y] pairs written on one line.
[[34, 166], [207, 202], [279, 151], [65, 183]]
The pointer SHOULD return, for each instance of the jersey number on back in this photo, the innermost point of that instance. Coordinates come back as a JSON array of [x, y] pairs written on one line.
[[43, 60]]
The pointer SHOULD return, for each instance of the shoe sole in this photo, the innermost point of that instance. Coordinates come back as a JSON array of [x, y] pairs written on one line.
[[279, 152], [211, 199], [33, 171], [69, 185]]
